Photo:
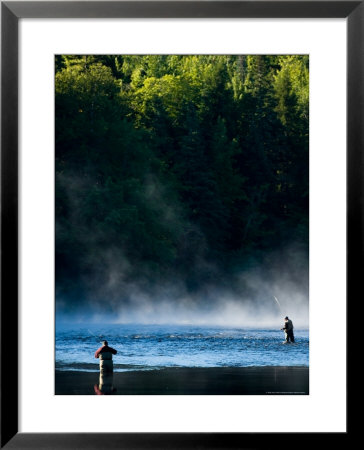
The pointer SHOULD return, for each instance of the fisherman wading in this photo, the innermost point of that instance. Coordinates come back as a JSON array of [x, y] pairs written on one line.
[[104, 354], [288, 329]]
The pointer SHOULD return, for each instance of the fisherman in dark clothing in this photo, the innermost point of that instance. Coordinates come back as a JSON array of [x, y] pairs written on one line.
[[105, 353], [288, 329]]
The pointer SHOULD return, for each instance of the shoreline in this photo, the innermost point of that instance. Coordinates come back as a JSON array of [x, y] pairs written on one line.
[[257, 380]]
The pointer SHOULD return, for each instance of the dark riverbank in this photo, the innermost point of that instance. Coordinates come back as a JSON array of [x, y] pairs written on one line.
[[189, 381]]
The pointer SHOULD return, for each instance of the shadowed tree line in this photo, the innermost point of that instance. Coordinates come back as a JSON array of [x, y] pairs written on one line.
[[177, 167]]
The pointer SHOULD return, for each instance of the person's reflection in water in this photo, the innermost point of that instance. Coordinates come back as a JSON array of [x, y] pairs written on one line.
[[105, 386]]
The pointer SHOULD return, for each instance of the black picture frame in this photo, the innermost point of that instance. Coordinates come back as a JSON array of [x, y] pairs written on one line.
[[11, 12]]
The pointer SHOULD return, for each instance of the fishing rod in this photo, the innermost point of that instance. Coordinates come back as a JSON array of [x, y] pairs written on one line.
[[99, 337], [276, 299]]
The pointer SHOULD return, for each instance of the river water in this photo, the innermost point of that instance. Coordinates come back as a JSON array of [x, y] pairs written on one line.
[[145, 347]]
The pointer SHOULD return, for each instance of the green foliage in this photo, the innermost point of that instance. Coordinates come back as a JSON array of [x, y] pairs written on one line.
[[291, 88]]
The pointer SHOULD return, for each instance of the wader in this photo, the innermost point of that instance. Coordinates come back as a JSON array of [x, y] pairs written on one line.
[[289, 336], [106, 364]]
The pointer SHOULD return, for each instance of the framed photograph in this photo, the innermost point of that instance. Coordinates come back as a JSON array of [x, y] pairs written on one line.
[[182, 224], [181, 206]]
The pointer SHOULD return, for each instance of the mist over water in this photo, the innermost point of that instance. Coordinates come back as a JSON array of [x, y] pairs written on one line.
[[260, 296], [228, 312], [217, 307]]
